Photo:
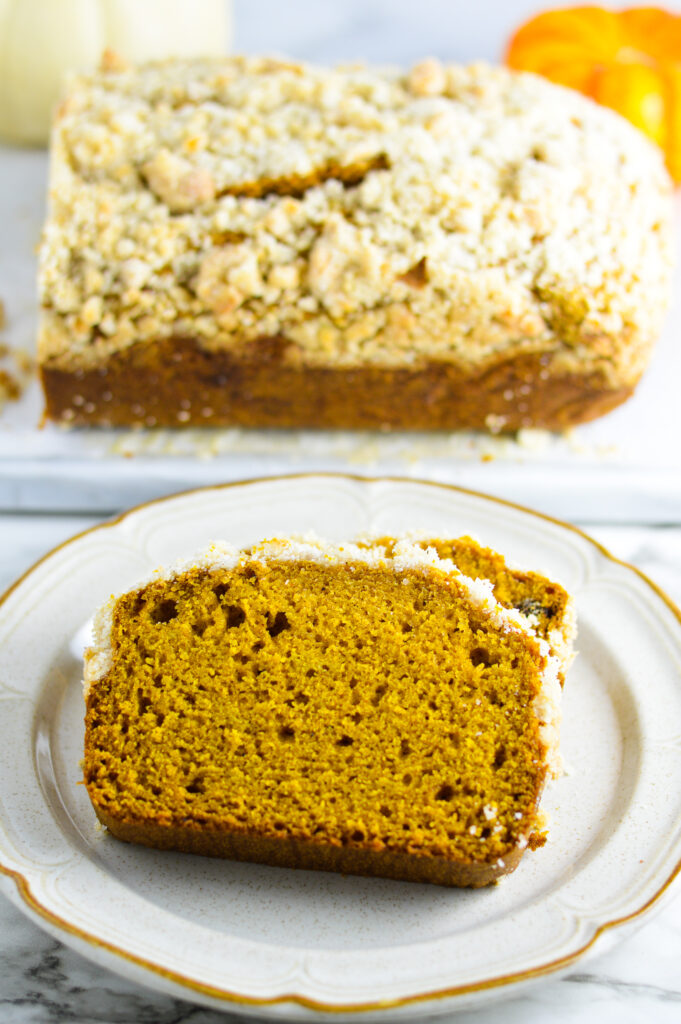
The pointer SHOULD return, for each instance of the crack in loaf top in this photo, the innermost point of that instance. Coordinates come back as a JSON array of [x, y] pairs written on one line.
[[364, 216]]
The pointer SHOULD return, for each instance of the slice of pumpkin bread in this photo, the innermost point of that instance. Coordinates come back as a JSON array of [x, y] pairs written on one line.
[[545, 605], [307, 705]]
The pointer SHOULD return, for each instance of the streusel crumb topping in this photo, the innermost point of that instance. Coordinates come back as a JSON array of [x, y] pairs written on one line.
[[450, 213]]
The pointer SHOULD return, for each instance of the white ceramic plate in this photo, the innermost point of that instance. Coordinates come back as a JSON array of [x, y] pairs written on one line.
[[292, 944]]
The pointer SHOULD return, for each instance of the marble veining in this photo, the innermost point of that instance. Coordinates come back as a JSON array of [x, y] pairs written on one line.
[[627, 987]]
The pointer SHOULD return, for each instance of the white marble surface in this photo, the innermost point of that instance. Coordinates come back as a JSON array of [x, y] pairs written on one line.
[[43, 982]]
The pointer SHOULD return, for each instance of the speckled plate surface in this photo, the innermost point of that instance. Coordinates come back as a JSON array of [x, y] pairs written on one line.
[[301, 945]]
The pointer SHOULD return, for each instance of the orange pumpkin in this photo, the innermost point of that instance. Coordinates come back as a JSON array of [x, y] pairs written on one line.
[[629, 60]]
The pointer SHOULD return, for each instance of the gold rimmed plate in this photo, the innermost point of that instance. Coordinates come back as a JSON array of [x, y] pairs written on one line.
[[303, 945]]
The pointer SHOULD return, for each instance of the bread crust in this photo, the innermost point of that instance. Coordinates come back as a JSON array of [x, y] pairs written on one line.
[[308, 854], [175, 382]]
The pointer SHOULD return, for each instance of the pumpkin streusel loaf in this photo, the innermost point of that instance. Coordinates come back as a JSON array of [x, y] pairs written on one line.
[[544, 604], [261, 243], [319, 706]]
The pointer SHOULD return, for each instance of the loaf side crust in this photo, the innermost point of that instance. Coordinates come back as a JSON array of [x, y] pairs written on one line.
[[308, 854], [176, 383]]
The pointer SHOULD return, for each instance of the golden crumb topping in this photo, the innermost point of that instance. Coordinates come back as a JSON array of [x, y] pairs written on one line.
[[450, 213]]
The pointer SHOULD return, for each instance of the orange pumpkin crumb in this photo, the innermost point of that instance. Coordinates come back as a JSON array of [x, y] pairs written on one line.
[[628, 60]]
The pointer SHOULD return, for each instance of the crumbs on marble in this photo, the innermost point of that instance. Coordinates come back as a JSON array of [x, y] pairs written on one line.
[[534, 439], [360, 448], [16, 368]]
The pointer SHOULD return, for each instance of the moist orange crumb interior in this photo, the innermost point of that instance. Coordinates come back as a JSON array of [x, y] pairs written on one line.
[[345, 703]]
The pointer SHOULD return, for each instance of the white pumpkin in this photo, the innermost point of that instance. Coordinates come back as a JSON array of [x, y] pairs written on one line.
[[41, 40]]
